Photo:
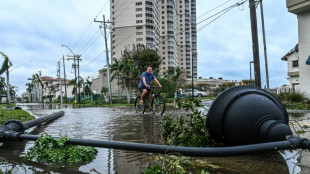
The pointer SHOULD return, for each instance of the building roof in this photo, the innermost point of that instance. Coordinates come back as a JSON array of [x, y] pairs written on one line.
[[47, 78], [293, 50]]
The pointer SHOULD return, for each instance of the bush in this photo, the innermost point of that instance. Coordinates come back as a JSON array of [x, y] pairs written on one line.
[[293, 97], [49, 149]]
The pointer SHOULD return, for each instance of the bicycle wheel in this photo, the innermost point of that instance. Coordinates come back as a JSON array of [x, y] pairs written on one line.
[[159, 105], [138, 107]]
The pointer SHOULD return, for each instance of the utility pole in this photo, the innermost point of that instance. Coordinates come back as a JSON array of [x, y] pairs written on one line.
[[255, 48], [78, 80], [107, 53], [74, 66], [264, 39], [63, 60], [60, 83]]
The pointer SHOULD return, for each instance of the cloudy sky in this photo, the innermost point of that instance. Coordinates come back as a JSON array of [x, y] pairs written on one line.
[[32, 32]]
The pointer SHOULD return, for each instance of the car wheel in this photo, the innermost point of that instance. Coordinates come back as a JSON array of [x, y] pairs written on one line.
[[199, 95]]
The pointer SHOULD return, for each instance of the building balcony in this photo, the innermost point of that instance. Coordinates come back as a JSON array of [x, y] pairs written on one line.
[[298, 6]]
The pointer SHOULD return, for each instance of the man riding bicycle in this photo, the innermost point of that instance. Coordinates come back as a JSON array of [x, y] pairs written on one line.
[[144, 85]]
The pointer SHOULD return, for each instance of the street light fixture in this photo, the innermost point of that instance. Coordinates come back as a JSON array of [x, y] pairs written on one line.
[[77, 83], [14, 68]]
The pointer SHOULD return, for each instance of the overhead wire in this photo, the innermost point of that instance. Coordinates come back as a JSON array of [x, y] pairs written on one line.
[[222, 11], [213, 9], [91, 40], [91, 22]]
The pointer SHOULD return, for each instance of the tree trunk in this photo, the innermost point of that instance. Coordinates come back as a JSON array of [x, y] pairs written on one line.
[[128, 97], [8, 87]]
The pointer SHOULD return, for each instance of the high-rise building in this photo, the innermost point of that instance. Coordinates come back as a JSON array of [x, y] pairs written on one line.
[[135, 22], [168, 26], [168, 34]]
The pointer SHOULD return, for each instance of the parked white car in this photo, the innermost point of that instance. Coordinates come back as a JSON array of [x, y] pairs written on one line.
[[197, 93]]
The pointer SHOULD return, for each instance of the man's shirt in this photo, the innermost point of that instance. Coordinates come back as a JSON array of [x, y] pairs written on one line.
[[148, 79]]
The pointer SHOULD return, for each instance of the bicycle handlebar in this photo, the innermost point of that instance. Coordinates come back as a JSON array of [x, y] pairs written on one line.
[[154, 87]]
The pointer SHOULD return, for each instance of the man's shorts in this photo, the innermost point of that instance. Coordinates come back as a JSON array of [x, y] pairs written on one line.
[[144, 87]]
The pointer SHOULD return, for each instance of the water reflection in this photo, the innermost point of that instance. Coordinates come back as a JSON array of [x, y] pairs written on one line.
[[123, 124]]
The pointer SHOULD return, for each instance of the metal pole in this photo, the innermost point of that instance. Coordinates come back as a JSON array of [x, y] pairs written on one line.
[[78, 80], [192, 75], [75, 92], [63, 59], [264, 39], [60, 83], [107, 58], [255, 43]]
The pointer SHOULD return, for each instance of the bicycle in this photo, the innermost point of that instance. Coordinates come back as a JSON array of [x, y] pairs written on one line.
[[157, 104]]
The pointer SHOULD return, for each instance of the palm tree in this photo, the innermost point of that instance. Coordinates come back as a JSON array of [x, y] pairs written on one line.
[[87, 87], [29, 89], [38, 78], [5, 67], [73, 82], [125, 70]]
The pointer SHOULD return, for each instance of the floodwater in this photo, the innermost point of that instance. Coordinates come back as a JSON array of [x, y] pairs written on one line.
[[123, 124]]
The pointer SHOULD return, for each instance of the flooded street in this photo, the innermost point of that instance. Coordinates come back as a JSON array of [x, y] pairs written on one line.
[[123, 124]]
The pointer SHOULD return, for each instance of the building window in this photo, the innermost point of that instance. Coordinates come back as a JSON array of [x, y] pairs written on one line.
[[138, 21], [295, 63], [138, 9], [138, 15], [138, 3], [139, 39], [139, 33], [139, 27]]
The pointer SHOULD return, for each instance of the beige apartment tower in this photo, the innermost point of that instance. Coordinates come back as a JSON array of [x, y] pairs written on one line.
[[168, 26]]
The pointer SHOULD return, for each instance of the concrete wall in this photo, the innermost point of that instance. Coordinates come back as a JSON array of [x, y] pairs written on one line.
[[304, 51]]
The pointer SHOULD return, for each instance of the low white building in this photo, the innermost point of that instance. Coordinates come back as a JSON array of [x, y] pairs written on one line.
[[292, 59], [302, 9], [51, 88]]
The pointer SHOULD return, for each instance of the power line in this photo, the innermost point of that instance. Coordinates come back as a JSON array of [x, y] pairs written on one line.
[[212, 20], [94, 37], [212, 9], [222, 11], [93, 60], [91, 22]]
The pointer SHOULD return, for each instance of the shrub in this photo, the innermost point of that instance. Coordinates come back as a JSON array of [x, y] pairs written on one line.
[[49, 149]]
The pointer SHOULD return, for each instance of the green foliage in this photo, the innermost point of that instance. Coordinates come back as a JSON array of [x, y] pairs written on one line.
[[6, 63], [167, 87], [293, 97], [172, 164], [156, 169], [176, 78], [104, 90], [224, 86], [21, 115], [300, 132], [296, 105], [189, 130], [248, 82], [49, 149]]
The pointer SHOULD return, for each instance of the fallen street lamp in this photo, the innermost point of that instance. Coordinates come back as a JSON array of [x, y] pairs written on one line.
[[266, 129]]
